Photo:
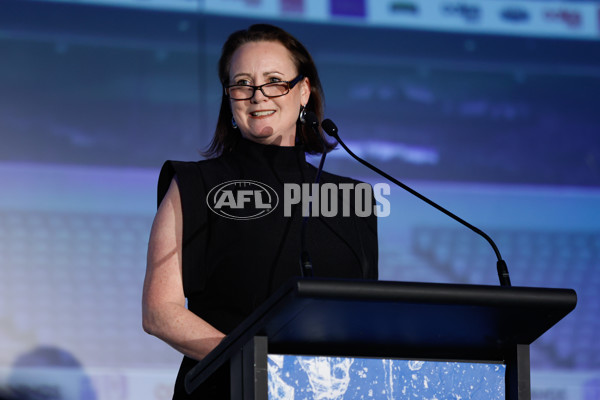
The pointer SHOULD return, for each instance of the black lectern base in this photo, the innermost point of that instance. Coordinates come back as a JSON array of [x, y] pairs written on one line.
[[420, 321]]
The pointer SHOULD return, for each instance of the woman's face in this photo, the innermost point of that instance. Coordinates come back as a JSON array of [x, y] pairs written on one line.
[[262, 119]]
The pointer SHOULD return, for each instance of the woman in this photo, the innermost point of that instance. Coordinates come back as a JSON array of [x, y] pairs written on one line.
[[225, 266]]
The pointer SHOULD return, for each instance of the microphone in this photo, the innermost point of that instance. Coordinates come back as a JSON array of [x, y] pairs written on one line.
[[332, 130], [306, 268]]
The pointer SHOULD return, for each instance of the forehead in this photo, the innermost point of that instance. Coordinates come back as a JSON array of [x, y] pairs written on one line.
[[258, 57]]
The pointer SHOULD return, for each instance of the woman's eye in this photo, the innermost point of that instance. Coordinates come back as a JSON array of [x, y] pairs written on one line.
[[274, 80], [243, 82]]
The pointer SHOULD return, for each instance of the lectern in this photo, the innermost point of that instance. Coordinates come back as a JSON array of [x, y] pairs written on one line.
[[392, 320]]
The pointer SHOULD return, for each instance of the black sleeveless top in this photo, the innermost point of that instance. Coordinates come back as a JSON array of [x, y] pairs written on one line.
[[231, 266]]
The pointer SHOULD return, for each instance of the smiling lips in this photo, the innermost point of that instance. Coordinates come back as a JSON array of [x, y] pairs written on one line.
[[262, 114]]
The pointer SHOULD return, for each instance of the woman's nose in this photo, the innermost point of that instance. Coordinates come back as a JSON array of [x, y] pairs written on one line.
[[258, 96]]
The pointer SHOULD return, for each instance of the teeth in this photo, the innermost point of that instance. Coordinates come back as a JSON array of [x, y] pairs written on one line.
[[261, 113]]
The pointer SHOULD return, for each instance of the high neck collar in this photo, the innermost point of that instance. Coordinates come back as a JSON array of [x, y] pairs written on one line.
[[277, 156]]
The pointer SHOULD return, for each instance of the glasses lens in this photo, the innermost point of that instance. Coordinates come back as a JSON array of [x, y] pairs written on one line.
[[275, 89], [240, 92]]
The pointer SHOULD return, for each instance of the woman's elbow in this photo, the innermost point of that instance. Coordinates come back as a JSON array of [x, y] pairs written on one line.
[[150, 322]]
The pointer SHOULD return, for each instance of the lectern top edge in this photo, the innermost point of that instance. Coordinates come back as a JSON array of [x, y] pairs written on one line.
[[432, 292]]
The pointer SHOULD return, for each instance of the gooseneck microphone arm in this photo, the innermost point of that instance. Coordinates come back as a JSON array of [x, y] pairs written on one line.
[[330, 128], [306, 267]]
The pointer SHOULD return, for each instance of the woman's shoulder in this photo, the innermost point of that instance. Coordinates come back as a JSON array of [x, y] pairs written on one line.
[[188, 174], [191, 164]]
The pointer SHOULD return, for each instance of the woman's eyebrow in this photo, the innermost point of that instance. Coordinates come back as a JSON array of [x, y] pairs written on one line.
[[272, 72], [246, 74], [239, 75]]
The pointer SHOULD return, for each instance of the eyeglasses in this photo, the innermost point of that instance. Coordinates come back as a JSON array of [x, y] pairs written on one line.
[[271, 89]]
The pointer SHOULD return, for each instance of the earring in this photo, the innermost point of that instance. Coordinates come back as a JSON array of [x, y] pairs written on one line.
[[233, 123], [302, 115]]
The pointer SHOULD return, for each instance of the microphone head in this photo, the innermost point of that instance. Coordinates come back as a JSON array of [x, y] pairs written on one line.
[[329, 128], [310, 118]]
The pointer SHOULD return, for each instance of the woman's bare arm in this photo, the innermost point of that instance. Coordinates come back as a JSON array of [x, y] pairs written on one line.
[[164, 313]]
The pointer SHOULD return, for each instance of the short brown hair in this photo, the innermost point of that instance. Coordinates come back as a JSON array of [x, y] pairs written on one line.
[[226, 136]]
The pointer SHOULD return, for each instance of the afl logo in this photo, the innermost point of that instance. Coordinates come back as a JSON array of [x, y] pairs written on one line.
[[242, 199]]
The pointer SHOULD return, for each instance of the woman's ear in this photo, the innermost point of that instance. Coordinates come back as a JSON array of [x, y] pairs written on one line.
[[305, 91]]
